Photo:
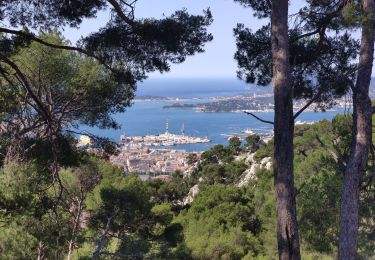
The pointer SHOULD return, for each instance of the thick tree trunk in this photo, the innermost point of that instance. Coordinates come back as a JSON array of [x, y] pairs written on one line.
[[287, 229], [361, 140]]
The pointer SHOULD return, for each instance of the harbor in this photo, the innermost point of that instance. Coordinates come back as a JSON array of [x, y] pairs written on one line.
[[165, 139], [145, 155]]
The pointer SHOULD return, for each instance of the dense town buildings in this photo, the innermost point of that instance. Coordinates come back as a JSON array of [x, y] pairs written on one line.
[[137, 156], [144, 160]]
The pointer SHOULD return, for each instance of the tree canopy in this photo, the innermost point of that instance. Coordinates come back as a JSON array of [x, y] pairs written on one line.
[[322, 52], [57, 85]]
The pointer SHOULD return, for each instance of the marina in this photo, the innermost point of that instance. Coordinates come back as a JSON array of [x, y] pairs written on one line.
[[165, 139]]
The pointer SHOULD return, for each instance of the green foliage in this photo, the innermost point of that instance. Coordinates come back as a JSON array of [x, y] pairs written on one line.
[[227, 173], [235, 142], [163, 216], [148, 221], [124, 196], [192, 158], [217, 154], [140, 227], [17, 192], [318, 205], [16, 243], [26, 204], [264, 204], [217, 165], [321, 150], [62, 87], [171, 191], [253, 143], [351, 15], [265, 150], [262, 8], [222, 224], [320, 67], [82, 86], [130, 46], [173, 39]]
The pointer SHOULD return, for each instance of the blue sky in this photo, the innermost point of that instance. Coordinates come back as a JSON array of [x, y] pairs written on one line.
[[217, 61]]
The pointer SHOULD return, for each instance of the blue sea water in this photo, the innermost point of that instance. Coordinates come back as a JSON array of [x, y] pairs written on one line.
[[197, 88], [148, 117]]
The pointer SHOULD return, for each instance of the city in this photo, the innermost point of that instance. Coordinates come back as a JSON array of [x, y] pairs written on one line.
[[137, 156]]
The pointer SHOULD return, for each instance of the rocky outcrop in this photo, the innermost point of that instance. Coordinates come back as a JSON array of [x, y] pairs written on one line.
[[191, 170], [247, 158], [266, 163], [250, 174], [192, 193], [247, 176]]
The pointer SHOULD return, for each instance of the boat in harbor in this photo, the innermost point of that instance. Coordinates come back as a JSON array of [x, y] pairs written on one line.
[[248, 131], [166, 139]]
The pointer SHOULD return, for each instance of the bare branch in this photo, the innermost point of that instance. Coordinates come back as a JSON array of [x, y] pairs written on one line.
[[309, 103], [32, 37], [323, 23], [121, 13], [258, 118], [26, 84]]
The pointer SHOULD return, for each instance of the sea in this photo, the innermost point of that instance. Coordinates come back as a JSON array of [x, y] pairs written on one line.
[[146, 117]]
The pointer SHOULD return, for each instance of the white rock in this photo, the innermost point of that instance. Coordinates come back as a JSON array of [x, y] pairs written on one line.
[[192, 193], [250, 158], [250, 174], [191, 170], [268, 165]]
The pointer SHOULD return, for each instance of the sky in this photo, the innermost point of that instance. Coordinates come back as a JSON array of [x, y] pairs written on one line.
[[217, 60]]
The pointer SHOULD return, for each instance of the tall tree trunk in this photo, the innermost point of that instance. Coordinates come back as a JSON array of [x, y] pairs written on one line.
[[70, 249], [40, 249], [287, 229], [361, 139], [102, 240], [77, 222]]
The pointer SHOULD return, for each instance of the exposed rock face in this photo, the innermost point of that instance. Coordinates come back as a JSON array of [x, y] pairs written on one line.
[[191, 170], [250, 174], [241, 157], [266, 163], [192, 193], [248, 158], [247, 176]]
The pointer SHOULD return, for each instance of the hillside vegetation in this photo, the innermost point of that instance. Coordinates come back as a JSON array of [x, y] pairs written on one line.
[[120, 216]]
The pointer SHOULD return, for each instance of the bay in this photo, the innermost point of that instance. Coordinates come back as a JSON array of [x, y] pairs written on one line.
[[148, 117]]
